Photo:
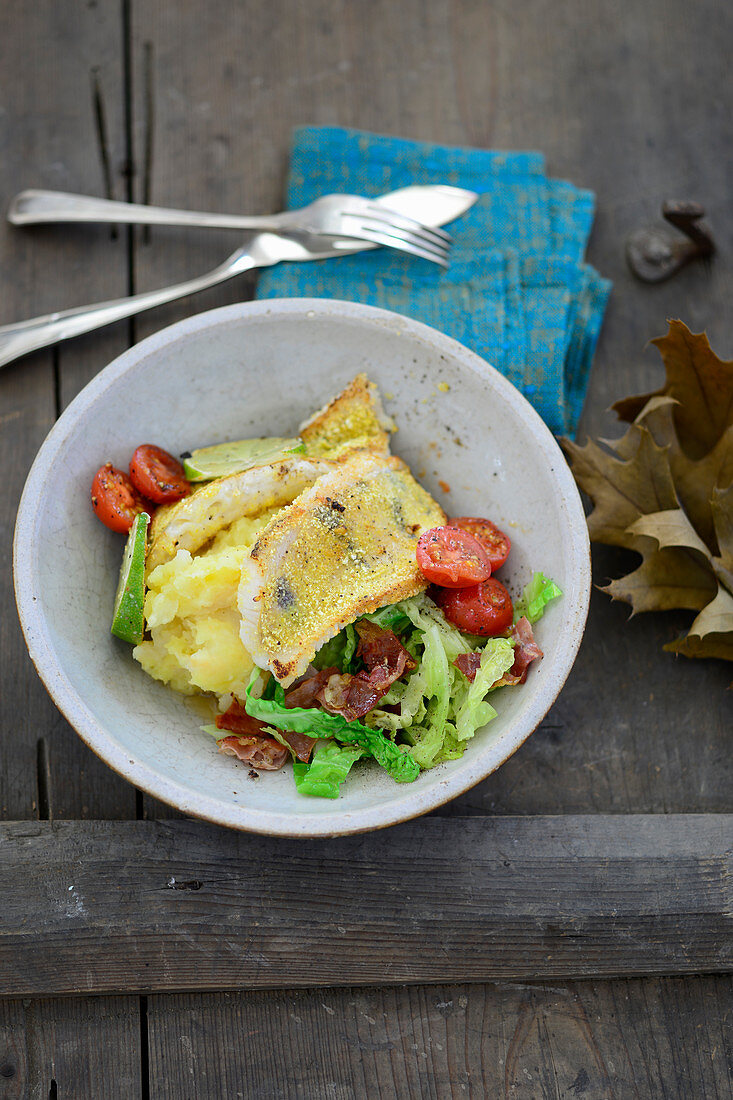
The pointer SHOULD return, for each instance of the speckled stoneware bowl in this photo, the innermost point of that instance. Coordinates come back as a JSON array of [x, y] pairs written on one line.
[[259, 369]]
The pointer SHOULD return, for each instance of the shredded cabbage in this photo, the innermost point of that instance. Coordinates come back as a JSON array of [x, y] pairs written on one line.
[[339, 651], [317, 723], [424, 719], [440, 709], [329, 766], [536, 595]]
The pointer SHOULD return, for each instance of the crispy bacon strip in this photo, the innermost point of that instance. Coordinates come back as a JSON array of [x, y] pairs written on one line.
[[469, 663], [300, 743], [251, 740], [262, 751], [382, 647], [526, 650], [236, 720], [305, 694], [353, 696]]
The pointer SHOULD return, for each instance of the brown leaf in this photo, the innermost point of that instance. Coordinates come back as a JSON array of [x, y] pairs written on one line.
[[622, 490], [694, 481], [665, 489], [701, 383], [712, 645], [722, 508], [697, 482], [670, 528], [711, 634], [668, 578], [656, 417]]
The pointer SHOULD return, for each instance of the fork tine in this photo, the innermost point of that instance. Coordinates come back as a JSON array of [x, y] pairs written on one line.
[[390, 217], [420, 236], [418, 239], [404, 242]]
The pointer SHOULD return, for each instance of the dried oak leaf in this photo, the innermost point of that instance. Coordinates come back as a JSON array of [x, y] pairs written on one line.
[[623, 489], [700, 382], [711, 634], [665, 490], [694, 481]]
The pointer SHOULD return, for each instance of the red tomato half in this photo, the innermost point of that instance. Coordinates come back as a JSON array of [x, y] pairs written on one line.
[[452, 558], [484, 609], [158, 475], [495, 542], [115, 499]]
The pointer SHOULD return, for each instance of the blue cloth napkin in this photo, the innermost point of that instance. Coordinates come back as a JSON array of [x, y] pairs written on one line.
[[517, 291]]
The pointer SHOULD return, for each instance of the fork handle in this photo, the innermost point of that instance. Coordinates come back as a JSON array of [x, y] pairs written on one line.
[[41, 332], [33, 207]]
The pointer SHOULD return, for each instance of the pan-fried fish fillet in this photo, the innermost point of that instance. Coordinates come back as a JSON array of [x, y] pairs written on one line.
[[345, 547], [353, 420], [190, 523]]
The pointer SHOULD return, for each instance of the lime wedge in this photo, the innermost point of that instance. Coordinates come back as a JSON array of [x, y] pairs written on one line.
[[206, 463], [127, 619]]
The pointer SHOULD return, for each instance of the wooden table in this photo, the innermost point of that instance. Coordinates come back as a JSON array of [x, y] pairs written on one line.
[[564, 929]]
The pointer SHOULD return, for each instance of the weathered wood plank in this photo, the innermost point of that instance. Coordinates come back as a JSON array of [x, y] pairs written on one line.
[[611, 1040], [51, 65], [133, 906], [54, 63], [85, 1048]]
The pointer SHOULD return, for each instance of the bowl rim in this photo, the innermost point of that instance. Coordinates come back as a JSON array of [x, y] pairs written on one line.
[[269, 822]]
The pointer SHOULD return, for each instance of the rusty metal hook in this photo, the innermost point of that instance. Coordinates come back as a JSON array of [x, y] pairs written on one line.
[[656, 253]]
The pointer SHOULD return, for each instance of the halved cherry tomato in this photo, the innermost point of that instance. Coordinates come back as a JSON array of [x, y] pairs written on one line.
[[452, 558], [484, 609], [495, 542], [158, 475], [115, 499]]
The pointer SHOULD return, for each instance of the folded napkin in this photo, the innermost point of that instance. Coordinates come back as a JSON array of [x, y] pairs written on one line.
[[517, 291]]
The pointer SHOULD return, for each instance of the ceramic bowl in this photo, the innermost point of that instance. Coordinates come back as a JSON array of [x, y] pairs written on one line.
[[259, 369]]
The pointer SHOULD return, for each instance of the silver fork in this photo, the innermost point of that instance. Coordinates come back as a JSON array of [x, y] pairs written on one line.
[[334, 215], [435, 204], [262, 250]]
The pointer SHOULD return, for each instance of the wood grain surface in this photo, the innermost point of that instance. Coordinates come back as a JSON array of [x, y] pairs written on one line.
[[62, 126], [605, 1040], [138, 906], [54, 71], [193, 104], [80, 1047]]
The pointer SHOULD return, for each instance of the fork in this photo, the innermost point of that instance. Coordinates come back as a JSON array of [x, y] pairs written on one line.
[[334, 215], [437, 204], [262, 250]]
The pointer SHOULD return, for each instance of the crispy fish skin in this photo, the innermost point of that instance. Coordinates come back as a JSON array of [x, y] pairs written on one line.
[[353, 420], [344, 548], [192, 522]]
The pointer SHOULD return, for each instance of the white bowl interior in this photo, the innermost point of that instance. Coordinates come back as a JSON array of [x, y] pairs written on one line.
[[260, 369]]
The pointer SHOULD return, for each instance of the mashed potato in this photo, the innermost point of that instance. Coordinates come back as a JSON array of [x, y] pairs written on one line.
[[192, 616]]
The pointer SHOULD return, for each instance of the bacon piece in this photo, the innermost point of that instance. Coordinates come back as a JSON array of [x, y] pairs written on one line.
[[238, 721], [300, 743], [526, 649], [386, 660], [382, 647], [261, 751], [353, 696], [252, 731], [305, 694], [468, 663]]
